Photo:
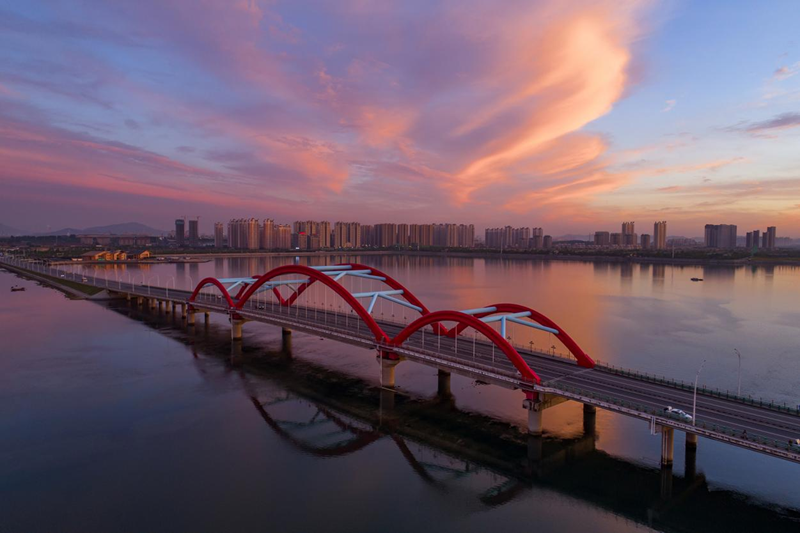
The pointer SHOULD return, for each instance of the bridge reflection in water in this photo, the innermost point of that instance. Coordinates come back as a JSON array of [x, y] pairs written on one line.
[[461, 454]]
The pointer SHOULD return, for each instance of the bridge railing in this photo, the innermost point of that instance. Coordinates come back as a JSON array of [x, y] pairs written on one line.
[[716, 428], [701, 390]]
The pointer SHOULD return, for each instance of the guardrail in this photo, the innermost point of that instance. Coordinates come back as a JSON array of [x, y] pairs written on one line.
[[713, 428], [701, 390]]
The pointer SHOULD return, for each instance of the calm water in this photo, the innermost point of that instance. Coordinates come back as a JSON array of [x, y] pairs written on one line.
[[114, 418]]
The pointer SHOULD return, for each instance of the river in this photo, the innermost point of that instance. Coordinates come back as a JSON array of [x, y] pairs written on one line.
[[117, 419]]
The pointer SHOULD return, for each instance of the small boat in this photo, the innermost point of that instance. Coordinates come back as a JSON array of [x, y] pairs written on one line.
[[17, 288], [697, 279]]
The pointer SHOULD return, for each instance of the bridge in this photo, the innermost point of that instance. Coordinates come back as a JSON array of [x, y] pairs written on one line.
[[459, 453], [362, 306]]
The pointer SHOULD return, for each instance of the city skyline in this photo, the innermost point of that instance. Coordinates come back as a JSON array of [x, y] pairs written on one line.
[[573, 116]]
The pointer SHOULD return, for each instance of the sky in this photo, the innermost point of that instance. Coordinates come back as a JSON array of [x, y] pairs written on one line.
[[568, 115]]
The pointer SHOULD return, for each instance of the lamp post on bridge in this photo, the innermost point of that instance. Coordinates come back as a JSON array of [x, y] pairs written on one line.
[[158, 281], [694, 400], [167, 284], [739, 386]]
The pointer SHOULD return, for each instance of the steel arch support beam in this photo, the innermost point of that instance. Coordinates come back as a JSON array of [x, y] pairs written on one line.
[[396, 285], [582, 357], [216, 283], [469, 321], [315, 276]]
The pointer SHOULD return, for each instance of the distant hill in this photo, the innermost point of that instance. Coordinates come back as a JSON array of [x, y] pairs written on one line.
[[128, 227], [113, 229], [7, 231]]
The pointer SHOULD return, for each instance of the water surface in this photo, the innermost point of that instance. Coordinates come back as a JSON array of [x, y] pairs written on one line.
[[115, 418]]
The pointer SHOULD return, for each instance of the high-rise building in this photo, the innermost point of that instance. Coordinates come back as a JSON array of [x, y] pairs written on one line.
[[219, 235], [368, 235], [602, 238], [420, 235], [324, 234], [233, 234], [402, 235], [771, 235], [645, 241], [466, 236], [386, 235], [267, 235], [253, 234], [547, 242], [660, 235], [615, 239], [180, 233], [628, 234], [283, 237], [347, 235], [721, 236], [537, 239], [194, 231]]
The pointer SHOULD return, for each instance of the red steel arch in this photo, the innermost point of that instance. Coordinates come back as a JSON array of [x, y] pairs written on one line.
[[469, 321], [215, 282], [583, 359], [391, 282], [396, 285], [314, 276]]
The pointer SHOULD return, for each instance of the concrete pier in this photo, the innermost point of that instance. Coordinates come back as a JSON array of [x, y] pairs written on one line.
[[207, 317], [286, 341], [443, 384], [535, 410], [387, 372], [190, 318], [667, 445], [183, 310], [589, 419], [236, 329], [691, 440], [666, 483], [690, 464], [160, 305], [169, 307]]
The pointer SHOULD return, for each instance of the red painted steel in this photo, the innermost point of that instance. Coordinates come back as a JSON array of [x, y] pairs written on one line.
[[428, 318], [582, 357], [396, 285], [314, 276], [482, 327], [215, 282]]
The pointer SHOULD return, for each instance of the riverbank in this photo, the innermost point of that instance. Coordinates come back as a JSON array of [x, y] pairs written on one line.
[[71, 288], [747, 261]]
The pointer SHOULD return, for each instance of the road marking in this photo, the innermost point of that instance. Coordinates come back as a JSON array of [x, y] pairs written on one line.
[[551, 381]]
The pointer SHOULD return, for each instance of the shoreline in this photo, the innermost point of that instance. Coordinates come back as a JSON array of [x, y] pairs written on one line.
[[747, 261]]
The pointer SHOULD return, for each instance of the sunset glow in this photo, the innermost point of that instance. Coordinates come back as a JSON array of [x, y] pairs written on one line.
[[569, 115]]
